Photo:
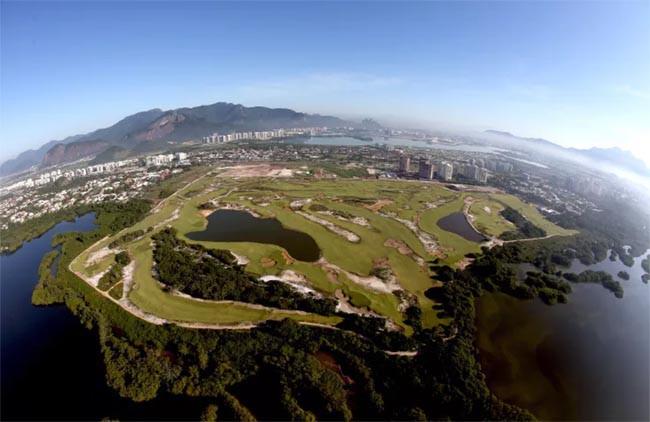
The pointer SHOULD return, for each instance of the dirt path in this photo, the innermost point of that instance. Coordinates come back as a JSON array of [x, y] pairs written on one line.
[[530, 239], [409, 353]]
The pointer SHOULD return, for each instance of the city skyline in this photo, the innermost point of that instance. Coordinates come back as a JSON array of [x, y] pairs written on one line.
[[534, 69]]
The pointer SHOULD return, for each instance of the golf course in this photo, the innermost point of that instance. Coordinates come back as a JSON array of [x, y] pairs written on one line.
[[369, 244]]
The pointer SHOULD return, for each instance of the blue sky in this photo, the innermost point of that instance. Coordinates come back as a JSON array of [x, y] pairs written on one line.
[[577, 73]]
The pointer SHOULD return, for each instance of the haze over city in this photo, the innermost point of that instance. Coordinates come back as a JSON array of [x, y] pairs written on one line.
[[576, 73]]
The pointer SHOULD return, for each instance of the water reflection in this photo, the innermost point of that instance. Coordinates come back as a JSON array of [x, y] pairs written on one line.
[[457, 223], [52, 366], [241, 226], [584, 360]]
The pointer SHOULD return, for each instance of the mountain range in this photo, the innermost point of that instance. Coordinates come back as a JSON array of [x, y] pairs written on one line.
[[147, 129], [154, 129], [609, 156]]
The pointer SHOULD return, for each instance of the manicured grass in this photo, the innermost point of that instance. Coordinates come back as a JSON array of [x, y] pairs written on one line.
[[487, 217], [532, 215], [148, 296], [358, 258], [423, 203], [455, 247]]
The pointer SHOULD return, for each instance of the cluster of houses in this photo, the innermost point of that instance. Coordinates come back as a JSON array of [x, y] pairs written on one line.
[[45, 178], [264, 135]]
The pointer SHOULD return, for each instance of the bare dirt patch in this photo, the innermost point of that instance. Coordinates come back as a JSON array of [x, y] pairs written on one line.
[[97, 256], [329, 362], [371, 282], [257, 170], [288, 260], [399, 245], [464, 263], [377, 206], [267, 262]]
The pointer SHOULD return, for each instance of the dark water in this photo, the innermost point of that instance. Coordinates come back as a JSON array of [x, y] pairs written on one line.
[[457, 223], [241, 226], [584, 360], [51, 366]]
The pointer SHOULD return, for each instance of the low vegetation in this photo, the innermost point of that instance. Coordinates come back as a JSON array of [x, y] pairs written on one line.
[[525, 229], [598, 277], [443, 381], [126, 238], [645, 264], [311, 372]]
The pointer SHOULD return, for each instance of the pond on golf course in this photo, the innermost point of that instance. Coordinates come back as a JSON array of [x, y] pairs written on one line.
[[457, 223], [241, 226]]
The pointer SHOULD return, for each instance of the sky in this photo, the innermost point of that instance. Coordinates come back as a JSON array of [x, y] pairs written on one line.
[[576, 73]]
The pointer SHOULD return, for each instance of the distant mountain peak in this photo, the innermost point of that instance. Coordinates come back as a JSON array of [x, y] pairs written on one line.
[[181, 124], [612, 155]]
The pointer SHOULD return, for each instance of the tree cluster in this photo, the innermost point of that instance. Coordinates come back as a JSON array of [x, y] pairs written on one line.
[[525, 229], [126, 238], [114, 273], [213, 274], [598, 277]]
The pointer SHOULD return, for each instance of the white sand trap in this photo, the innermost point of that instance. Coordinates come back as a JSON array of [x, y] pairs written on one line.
[[348, 235]]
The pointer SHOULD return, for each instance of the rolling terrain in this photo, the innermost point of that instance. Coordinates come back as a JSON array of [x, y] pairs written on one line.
[[376, 240]]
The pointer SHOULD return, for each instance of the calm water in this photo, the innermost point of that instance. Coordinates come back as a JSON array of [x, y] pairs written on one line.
[[51, 365], [348, 141], [584, 360], [457, 223], [241, 226]]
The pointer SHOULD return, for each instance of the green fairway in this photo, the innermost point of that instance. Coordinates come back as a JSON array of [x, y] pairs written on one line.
[[532, 215], [487, 219], [454, 246], [388, 217], [148, 296]]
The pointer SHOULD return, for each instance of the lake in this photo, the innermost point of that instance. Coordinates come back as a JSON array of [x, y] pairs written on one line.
[[585, 360], [457, 223], [403, 142], [52, 366], [241, 226]]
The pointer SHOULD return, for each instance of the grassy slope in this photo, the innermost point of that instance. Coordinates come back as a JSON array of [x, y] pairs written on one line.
[[531, 213], [455, 246], [490, 223], [357, 258], [148, 295], [431, 202]]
